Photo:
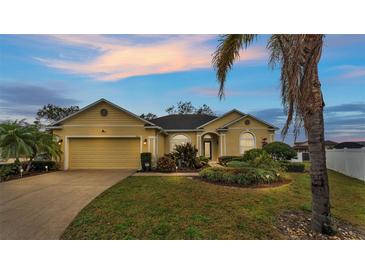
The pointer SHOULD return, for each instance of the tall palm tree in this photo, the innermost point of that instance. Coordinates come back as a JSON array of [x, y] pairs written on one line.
[[298, 57], [15, 140]]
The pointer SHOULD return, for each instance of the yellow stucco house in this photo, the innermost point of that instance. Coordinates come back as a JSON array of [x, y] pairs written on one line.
[[103, 135]]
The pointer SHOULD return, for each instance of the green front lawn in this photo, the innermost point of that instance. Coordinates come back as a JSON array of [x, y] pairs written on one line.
[[183, 208]]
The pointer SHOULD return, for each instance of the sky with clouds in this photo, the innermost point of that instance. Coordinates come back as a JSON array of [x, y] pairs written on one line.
[[148, 73]]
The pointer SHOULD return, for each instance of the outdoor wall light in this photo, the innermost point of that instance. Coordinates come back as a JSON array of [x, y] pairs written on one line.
[[145, 141], [60, 142]]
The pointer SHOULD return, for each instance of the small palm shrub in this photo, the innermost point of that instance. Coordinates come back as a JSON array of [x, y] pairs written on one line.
[[166, 164], [253, 153], [244, 176], [185, 155], [280, 151]]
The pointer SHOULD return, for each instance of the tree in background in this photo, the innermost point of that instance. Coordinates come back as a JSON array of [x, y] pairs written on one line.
[[50, 113], [298, 57], [188, 108], [148, 116]]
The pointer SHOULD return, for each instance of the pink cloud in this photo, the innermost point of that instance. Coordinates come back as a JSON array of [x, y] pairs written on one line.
[[355, 73], [120, 58]]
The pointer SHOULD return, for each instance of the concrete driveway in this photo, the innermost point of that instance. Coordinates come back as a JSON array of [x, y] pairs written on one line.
[[41, 207]]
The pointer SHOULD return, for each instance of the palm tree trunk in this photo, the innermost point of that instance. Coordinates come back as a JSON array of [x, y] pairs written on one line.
[[321, 221]]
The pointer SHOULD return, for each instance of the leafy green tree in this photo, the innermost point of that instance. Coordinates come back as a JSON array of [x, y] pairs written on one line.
[[298, 57], [188, 108], [148, 116], [280, 151], [51, 113]]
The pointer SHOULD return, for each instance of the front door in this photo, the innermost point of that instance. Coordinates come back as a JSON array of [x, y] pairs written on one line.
[[208, 149]]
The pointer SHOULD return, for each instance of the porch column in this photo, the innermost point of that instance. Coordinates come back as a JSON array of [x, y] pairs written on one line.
[[198, 144]]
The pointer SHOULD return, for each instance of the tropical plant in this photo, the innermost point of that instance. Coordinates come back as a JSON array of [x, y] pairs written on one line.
[[15, 140], [298, 57], [185, 155], [18, 139], [43, 145], [280, 151]]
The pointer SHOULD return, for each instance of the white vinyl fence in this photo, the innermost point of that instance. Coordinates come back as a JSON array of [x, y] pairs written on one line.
[[349, 161]]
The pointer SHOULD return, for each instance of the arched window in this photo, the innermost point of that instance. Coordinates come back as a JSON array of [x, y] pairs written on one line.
[[178, 140], [247, 142]]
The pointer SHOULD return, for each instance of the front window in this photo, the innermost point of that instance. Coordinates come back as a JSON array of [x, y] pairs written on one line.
[[247, 142], [178, 140]]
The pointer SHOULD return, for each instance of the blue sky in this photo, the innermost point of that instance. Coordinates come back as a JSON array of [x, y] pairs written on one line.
[[148, 73]]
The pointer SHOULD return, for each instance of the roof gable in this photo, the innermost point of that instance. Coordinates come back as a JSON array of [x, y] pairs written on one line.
[[223, 119], [101, 102], [248, 116]]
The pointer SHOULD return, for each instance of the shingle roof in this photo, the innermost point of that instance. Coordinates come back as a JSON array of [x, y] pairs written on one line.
[[182, 121]]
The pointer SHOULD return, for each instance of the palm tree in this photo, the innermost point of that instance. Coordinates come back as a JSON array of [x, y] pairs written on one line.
[[298, 57], [43, 144], [15, 140]]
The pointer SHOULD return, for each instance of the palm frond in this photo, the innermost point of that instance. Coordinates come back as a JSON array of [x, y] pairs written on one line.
[[226, 53]]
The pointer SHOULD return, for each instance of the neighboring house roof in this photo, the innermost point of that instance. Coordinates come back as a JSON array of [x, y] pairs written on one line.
[[348, 145], [94, 104], [305, 144], [182, 121]]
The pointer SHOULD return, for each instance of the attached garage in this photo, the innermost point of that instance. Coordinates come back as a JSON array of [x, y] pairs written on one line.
[[103, 153]]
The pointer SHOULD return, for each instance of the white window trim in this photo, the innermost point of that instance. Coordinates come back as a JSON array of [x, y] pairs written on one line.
[[239, 140], [172, 137]]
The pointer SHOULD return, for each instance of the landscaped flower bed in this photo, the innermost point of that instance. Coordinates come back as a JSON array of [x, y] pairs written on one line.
[[244, 176]]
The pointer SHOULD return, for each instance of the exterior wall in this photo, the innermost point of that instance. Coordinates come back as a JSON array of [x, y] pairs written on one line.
[[258, 129], [92, 116], [96, 131], [190, 135], [116, 124]]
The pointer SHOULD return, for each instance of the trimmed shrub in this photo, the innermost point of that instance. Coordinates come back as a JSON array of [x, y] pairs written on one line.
[[293, 167], [223, 160], [204, 159], [166, 164], [185, 155], [280, 151], [7, 170], [265, 161], [240, 176], [41, 165], [253, 153], [237, 164], [146, 161]]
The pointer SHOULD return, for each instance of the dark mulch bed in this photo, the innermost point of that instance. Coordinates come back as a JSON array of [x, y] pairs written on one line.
[[297, 226], [29, 174], [262, 185]]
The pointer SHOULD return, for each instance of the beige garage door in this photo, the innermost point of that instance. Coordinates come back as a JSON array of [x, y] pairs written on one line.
[[104, 153]]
